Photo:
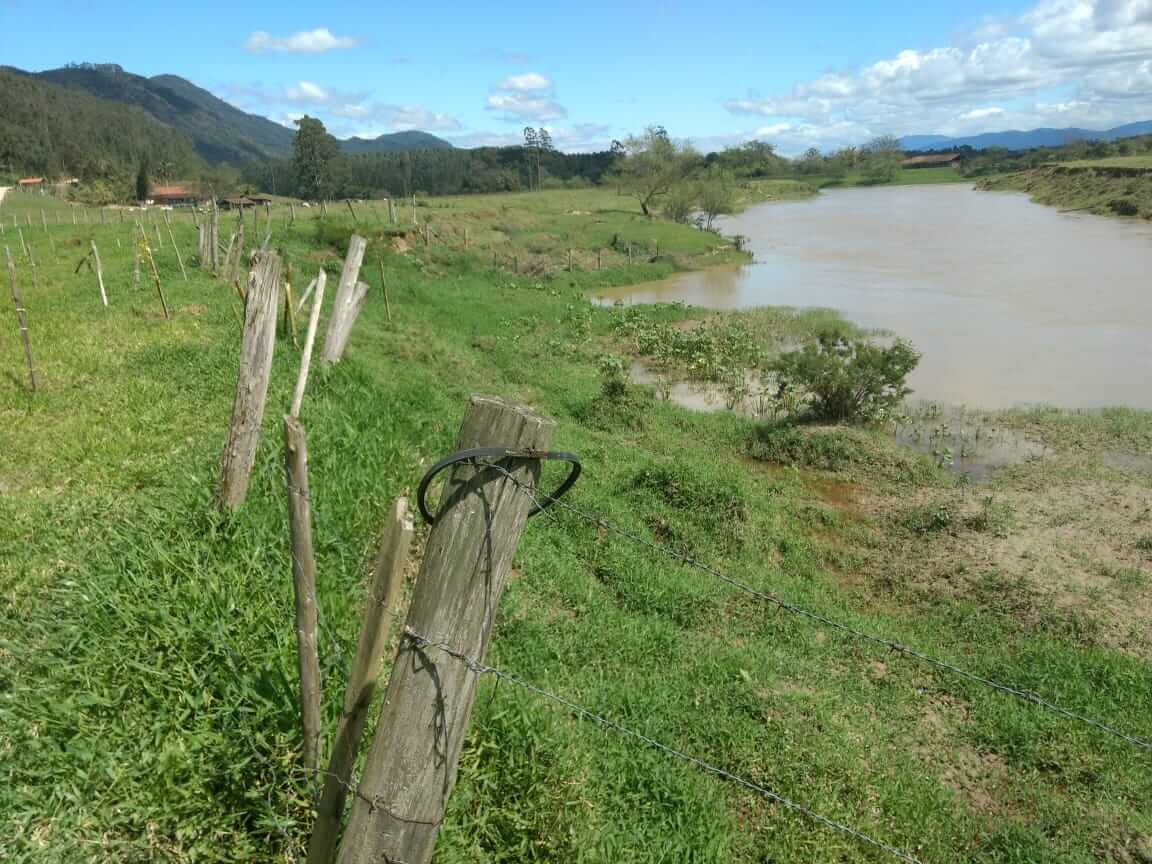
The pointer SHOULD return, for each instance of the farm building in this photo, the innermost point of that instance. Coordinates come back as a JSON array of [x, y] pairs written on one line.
[[30, 182], [239, 202], [174, 195], [936, 160]]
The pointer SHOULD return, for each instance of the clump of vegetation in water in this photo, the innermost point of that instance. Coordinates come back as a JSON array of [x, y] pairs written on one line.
[[846, 379]]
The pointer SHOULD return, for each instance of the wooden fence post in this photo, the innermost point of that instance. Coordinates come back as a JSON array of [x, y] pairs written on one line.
[[309, 342], [99, 275], [346, 307], [21, 317], [383, 601], [179, 257], [411, 767], [384, 288], [155, 273], [304, 584], [391, 211], [259, 341]]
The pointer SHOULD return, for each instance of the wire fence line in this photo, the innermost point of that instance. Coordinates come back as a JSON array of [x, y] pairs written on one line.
[[1024, 695], [421, 643]]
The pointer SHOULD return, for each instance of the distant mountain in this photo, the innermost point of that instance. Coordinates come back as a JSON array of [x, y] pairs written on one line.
[[394, 142], [1015, 140], [219, 131]]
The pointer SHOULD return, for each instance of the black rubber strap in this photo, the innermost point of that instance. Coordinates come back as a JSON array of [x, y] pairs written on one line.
[[497, 454]]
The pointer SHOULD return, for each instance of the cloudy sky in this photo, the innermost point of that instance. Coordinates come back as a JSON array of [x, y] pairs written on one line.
[[795, 74]]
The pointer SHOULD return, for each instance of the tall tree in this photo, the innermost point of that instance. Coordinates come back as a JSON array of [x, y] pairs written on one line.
[[312, 151], [532, 153], [654, 166], [143, 186]]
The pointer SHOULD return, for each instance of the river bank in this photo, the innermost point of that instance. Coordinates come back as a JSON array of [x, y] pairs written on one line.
[[1110, 188]]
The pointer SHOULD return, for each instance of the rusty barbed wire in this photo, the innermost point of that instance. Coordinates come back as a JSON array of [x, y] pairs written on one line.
[[421, 643]]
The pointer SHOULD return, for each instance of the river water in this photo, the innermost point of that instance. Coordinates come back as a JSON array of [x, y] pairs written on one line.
[[1010, 302]]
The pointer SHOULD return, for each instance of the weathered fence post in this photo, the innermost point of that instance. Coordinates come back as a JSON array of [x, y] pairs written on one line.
[[411, 767], [259, 341], [349, 298], [99, 274], [309, 342], [391, 211], [569, 260], [21, 318], [155, 273], [383, 601], [179, 257], [384, 288], [304, 584], [599, 256]]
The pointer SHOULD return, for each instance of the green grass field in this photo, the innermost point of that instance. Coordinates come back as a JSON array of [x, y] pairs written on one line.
[[147, 653]]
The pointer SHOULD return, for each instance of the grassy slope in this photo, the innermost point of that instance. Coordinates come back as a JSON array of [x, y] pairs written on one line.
[[1087, 190], [147, 709]]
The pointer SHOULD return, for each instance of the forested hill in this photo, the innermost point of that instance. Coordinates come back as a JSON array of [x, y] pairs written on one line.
[[220, 132], [55, 131]]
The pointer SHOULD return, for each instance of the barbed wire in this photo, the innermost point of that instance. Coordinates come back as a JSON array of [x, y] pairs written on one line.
[[788, 606], [421, 642]]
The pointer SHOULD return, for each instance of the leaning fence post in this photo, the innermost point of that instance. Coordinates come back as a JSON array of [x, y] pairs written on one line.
[[304, 584], [99, 274], [21, 318], [259, 341], [309, 342], [346, 306], [383, 600], [411, 767]]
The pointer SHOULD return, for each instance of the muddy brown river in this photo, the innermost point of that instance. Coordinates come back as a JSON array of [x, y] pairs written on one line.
[[1010, 302]]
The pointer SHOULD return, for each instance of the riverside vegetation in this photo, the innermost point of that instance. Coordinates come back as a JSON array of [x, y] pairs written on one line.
[[147, 694]]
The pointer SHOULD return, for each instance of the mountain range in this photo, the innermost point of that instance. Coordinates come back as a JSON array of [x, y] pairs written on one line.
[[220, 132], [1020, 140]]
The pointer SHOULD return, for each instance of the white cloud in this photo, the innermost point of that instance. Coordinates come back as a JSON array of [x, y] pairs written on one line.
[[306, 91], [404, 117], [526, 82], [316, 41], [981, 113], [1082, 61], [525, 97]]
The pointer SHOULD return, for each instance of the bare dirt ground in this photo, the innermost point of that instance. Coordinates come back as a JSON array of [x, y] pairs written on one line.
[[1035, 543]]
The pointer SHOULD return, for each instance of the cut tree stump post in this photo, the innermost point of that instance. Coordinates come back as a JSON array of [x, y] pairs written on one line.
[[383, 601], [99, 275], [259, 341], [21, 318], [411, 768], [309, 342], [349, 298], [304, 584]]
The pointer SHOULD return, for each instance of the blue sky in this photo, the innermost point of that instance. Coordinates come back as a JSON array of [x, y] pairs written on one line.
[[795, 74]]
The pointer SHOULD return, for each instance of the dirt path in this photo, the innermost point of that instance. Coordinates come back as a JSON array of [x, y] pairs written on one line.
[[3, 192]]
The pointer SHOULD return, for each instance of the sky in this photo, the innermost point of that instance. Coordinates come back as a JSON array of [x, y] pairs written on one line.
[[797, 75]]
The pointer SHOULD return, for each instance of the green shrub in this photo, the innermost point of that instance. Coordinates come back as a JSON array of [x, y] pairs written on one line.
[[846, 379]]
